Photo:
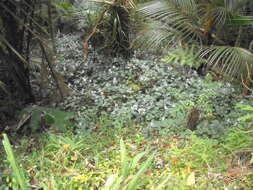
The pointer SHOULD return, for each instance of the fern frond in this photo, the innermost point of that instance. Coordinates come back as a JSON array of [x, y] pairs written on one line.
[[187, 56]]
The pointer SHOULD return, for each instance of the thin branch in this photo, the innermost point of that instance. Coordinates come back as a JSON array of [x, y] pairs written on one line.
[[13, 49], [51, 69]]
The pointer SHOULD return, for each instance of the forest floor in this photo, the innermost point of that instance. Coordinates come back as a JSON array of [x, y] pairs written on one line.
[[127, 125]]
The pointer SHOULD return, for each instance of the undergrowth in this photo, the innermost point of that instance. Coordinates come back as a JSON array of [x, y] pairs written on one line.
[[116, 157], [124, 127]]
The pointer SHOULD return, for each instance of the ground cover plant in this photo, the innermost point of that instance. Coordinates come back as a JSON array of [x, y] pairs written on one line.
[[129, 130], [147, 90], [76, 115]]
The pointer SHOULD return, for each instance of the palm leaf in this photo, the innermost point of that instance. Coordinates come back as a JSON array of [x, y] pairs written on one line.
[[154, 34], [226, 12], [233, 61], [169, 22]]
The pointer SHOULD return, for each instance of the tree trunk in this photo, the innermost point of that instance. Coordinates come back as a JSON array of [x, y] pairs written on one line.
[[14, 35]]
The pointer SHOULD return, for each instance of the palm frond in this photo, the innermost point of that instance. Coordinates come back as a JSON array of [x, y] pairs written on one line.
[[162, 9], [155, 34], [226, 12], [235, 5], [221, 16], [232, 61], [169, 21]]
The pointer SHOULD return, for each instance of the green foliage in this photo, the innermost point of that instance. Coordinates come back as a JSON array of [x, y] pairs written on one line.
[[18, 172], [209, 124], [57, 142], [64, 6], [111, 21], [95, 161], [235, 62], [186, 56], [87, 13], [127, 179], [145, 91], [236, 140], [247, 108], [197, 152], [53, 117], [210, 27], [213, 128]]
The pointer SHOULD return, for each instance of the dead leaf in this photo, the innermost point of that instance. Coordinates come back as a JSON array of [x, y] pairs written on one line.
[[50, 187], [98, 126], [85, 47], [7, 172], [165, 145], [174, 160], [90, 166]]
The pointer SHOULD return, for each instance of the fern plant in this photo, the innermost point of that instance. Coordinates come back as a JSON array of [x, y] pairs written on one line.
[[187, 56], [59, 120]]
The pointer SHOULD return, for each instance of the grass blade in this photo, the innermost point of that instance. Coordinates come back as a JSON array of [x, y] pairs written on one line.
[[18, 173]]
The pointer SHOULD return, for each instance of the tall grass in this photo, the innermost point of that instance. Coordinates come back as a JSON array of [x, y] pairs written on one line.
[[18, 173]]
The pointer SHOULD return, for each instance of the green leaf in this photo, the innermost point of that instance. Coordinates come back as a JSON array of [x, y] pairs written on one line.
[[244, 107], [162, 184], [137, 159], [35, 120], [49, 118], [241, 20], [247, 117], [58, 119], [64, 6], [124, 162], [134, 183], [18, 173]]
